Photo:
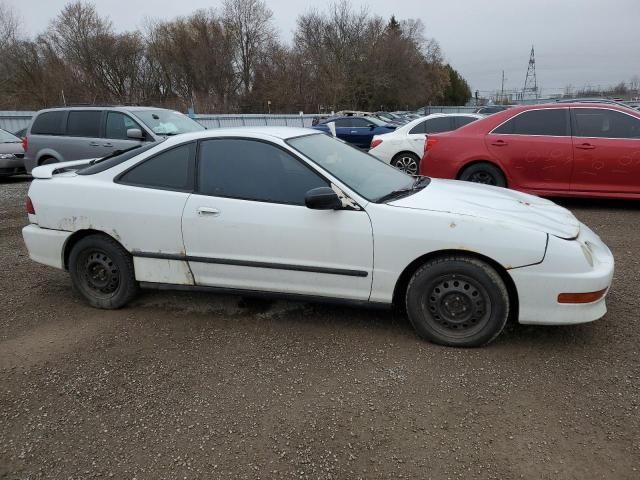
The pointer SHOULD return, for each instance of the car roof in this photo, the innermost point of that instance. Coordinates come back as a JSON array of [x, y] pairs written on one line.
[[272, 133], [124, 108]]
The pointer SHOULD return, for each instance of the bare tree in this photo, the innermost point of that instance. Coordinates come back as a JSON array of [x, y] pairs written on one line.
[[9, 25], [249, 26]]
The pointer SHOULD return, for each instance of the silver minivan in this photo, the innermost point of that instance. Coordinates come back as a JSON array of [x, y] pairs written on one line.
[[75, 133]]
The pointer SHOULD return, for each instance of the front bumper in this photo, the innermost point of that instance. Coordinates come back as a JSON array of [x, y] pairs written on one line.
[[44, 245], [12, 166], [570, 266]]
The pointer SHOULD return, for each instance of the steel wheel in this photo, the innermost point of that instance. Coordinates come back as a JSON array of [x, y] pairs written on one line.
[[458, 305], [99, 272], [407, 163]]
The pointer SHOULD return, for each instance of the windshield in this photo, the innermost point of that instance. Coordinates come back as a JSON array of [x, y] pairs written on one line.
[[6, 137], [369, 177], [167, 122]]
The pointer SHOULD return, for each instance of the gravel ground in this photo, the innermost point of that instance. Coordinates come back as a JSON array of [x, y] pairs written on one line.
[[184, 385]]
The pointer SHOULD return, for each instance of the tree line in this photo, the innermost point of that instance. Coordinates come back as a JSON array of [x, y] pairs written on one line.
[[227, 61]]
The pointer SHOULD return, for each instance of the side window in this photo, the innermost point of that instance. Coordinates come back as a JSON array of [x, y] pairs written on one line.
[[462, 121], [118, 124], [419, 128], [599, 122], [84, 123], [170, 170], [252, 170], [438, 124], [49, 123], [550, 122], [343, 122], [360, 123]]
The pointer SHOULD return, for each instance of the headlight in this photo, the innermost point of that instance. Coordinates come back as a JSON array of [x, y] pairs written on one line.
[[6, 156]]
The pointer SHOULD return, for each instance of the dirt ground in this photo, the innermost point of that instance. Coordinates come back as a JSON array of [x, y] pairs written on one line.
[[184, 385]]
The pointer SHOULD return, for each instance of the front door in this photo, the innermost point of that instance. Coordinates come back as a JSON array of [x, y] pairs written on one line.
[[116, 125], [606, 151], [247, 226], [535, 146]]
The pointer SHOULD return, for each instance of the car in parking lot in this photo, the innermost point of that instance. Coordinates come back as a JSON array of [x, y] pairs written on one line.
[[296, 213], [576, 149], [357, 131], [11, 154], [73, 133], [403, 148]]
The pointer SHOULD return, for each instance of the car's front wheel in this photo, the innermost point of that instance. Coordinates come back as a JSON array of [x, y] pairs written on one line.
[[102, 272], [457, 301], [407, 162]]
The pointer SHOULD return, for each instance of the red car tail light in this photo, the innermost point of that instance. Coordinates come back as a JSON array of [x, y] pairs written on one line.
[[375, 143], [29, 205], [430, 143], [25, 143]]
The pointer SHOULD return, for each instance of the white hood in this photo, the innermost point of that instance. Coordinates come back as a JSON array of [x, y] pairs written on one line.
[[496, 204]]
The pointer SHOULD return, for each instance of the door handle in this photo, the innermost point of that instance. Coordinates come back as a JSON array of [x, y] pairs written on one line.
[[585, 146], [94, 144], [108, 145], [208, 211], [499, 143], [354, 131]]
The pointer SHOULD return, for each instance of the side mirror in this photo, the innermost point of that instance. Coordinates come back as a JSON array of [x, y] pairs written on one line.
[[322, 198], [135, 133]]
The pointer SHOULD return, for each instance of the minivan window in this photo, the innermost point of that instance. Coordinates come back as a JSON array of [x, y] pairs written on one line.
[[49, 123], [604, 123], [118, 124], [84, 123], [253, 170], [549, 122], [169, 170]]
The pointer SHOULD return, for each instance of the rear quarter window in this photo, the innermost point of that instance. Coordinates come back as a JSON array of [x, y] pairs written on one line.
[[49, 123]]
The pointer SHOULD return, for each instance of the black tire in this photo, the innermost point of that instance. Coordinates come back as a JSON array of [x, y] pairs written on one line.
[[457, 301], [48, 161], [407, 162], [102, 272], [484, 173]]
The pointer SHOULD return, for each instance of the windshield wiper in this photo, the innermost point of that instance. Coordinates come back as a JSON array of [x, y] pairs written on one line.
[[419, 184], [115, 153]]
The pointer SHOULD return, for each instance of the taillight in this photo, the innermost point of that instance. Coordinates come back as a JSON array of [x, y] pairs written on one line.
[[25, 143], [29, 205], [375, 142], [430, 143]]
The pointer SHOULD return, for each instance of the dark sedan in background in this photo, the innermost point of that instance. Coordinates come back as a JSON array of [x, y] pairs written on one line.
[[358, 131]]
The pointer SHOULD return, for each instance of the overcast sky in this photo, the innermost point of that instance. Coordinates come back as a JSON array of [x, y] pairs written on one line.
[[577, 42]]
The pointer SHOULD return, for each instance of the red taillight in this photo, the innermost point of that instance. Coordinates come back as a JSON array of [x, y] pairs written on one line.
[[430, 143], [25, 143], [375, 143], [30, 209]]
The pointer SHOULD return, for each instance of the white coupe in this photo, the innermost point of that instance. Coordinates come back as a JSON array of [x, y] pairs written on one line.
[[296, 213], [403, 148]]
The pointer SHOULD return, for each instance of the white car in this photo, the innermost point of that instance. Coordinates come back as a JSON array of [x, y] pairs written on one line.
[[296, 213], [404, 147]]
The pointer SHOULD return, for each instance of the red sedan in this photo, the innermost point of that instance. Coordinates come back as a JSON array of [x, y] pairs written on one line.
[[574, 149]]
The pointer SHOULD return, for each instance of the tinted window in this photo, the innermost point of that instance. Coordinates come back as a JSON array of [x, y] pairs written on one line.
[[462, 121], [251, 170], [360, 122], [84, 124], [49, 123], [438, 124], [171, 169], [116, 158], [342, 122], [118, 124], [419, 128], [537, 122], [594, 122]]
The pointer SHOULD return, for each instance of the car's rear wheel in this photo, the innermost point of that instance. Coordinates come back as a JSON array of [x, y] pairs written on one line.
[[457, 301], [102, 272], [484, 173], [48, 160], [407, 162]]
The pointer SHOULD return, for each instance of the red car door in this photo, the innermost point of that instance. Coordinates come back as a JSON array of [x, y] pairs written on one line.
[[535, 149], [606, 146]]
